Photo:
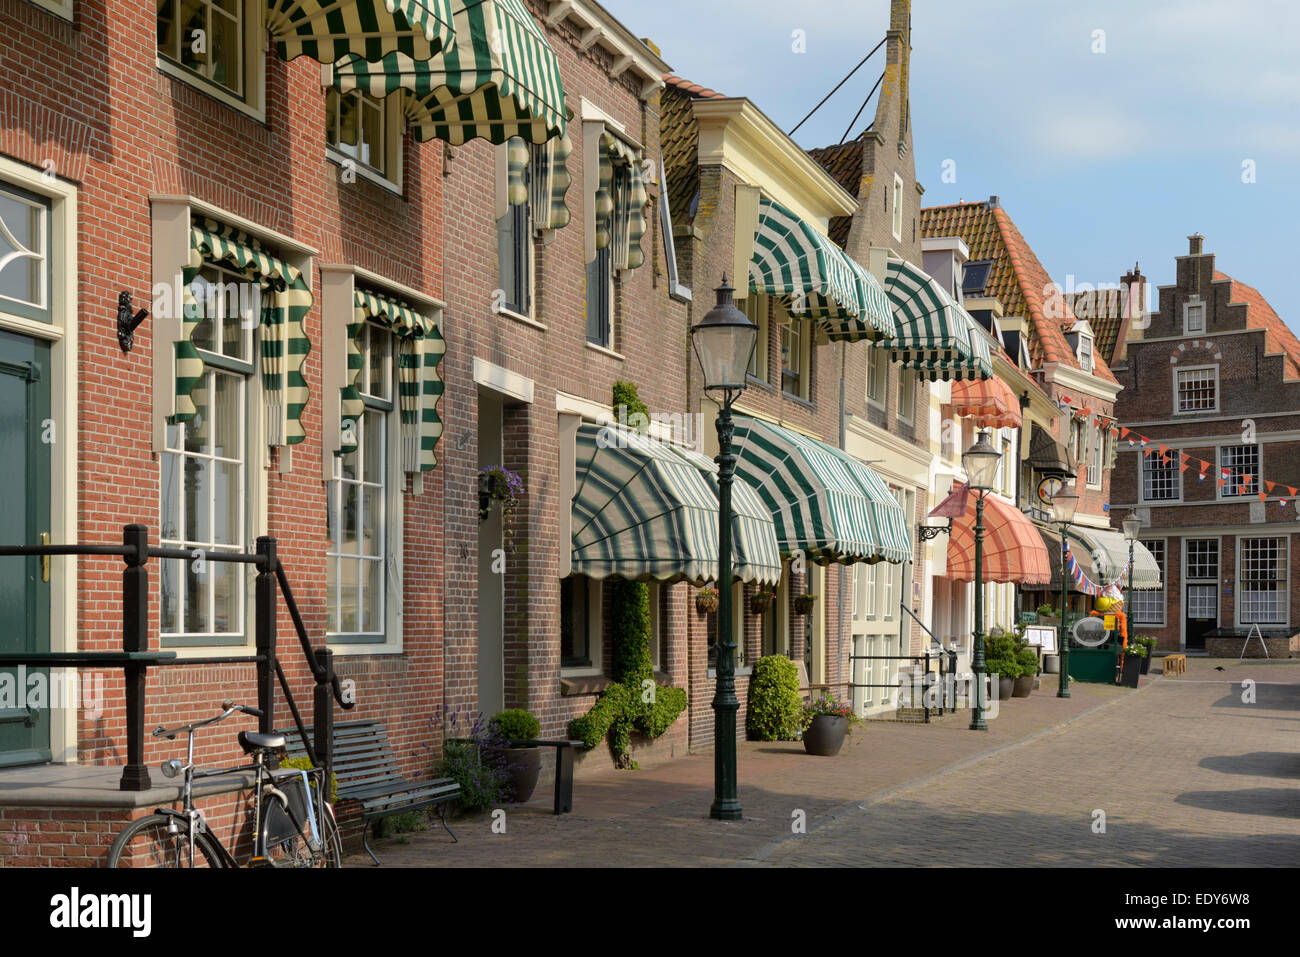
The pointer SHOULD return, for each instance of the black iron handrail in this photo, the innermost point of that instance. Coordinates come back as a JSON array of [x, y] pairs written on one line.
[[924, 659], [135, 658]]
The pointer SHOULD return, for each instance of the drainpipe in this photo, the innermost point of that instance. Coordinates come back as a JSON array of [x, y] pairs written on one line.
[[839, 627], [1020, 472]]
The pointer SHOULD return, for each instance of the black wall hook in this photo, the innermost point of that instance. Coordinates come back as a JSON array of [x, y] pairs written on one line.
[[127, 323]]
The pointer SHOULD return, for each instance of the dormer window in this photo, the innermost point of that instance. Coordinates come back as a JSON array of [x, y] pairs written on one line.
[[1085, 352], [975, 277]]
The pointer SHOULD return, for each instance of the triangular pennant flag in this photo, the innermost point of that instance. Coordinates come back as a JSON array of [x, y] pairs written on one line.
[[1145, 450], [1124, 430], [1291, 489], [1201, 477], [1163, 450], [1204, 465], [1263, 496], [1183, 456], [1184, 467], [1222, 482], [1268, 485]]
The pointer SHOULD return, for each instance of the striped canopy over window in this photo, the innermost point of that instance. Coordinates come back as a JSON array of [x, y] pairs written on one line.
[[285, 300], [816, 278], [823, 501], [935, 335], [1012, 551], [1109, 551], [646, 509], [328, 30], [497, 78], [420, 349], [990, 402], [620, 202], [539, 176]]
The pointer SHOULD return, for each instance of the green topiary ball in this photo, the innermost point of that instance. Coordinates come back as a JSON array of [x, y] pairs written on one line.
[[774, 707], [516, 724]]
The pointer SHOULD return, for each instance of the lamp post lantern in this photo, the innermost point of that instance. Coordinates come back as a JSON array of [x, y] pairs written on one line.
[[1132, 528], [724, 343], [981, 464], [1063, 507]]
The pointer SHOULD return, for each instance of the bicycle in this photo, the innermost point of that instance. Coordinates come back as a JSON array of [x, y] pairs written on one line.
[[293, 823]]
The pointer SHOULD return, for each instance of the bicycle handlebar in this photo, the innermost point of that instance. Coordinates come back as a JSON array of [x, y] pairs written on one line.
[[228, 708]]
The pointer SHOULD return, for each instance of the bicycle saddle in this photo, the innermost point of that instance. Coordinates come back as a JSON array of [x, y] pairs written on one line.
[[251, 741]]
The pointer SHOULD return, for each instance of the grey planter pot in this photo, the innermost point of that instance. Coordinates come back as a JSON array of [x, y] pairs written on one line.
[[1006, 687], [1051, 664], [1022, 686], [825, 736], [524, 765]]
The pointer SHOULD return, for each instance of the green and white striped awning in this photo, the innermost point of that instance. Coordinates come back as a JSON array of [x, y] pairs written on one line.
[[285, 299], [824, 502], [645, 509], [755, 554], [818, 280], [328, 30], [1109, 551], [420, 348], [935, 335], [498, 77]]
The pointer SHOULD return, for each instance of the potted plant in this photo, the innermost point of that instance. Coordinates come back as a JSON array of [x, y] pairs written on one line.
[[1027, 661], [1134, 655], [498, 483], [1047, 615], [523, 765], [706, 600], [1150, 644], [803, 604], [827, 723], [761, 600]]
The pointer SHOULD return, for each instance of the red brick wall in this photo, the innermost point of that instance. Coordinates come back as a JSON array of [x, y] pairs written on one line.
[[90, 98]]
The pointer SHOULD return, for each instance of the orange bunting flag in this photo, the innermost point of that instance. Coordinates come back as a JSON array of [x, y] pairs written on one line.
[[1268, 485], [1124, 431], [1222, 482], [1184, 467], [1291, 489], [1163, 450]]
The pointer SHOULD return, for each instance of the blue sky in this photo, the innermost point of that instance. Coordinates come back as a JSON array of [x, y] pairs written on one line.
[[1102, 159]]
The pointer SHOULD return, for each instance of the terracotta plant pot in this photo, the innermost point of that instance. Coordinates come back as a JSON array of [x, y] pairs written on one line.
[[1022, 686], [825, 736], [706, 604], [524, 765]]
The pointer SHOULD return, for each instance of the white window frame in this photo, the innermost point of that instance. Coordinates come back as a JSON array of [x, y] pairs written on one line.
[[897, 224], [877, 363], [251, 420], [1175, 457], [1085, 354], [907, 387], [1094, 464], [1178, 372], [755, 308], [1194, 303], [394, 138], [1163, 590], [38, 309], [255, 45], [1284, 590], [596, 634], [800, 329], [675, 289], [394, 486], [1255, 485]]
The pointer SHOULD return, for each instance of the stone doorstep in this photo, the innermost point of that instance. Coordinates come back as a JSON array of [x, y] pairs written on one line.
[[85, 785]]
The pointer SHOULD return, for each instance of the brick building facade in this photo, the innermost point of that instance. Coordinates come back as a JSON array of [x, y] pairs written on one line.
[[1207, 460]]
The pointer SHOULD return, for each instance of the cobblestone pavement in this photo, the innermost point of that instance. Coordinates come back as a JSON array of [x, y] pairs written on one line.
[[1185, 772]]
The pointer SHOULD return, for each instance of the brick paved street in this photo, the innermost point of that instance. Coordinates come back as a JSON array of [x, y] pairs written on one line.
[[1186, 773]]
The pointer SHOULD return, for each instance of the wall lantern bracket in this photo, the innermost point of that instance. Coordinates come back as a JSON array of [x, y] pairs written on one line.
[[126, 322]]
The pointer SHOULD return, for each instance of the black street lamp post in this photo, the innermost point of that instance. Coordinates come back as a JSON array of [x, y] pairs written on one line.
[[1132, 528], [1063, 508], [981, 464], [724, 343]]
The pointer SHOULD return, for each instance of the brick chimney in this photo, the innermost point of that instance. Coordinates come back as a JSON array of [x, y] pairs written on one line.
[[1133, 297], [1194, 242]]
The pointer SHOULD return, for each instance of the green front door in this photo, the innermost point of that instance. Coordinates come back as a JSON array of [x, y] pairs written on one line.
[[26, 434]]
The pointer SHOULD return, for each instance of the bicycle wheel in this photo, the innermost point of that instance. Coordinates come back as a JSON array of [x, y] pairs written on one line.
[[160, 840], [286, 844], [332, 851]]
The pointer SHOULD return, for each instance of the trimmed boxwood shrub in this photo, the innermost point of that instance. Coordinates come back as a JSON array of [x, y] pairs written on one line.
[[773, 713], [516, 724]]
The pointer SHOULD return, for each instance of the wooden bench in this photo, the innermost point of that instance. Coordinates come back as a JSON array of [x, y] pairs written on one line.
[[1173, 665], [366, 771]]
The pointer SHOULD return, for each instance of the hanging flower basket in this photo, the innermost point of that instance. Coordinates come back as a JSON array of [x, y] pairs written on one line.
[[706, 600], [499, 484], [760, 601], [803, 604]]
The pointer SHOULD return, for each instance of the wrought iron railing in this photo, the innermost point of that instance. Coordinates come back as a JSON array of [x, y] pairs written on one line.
[[136, 658]]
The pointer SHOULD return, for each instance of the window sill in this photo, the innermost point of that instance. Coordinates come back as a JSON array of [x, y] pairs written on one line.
[[608, 352], [339, 158], [806, 403], [520, 317], [571, 685], [756, 382], [743, 672], [196, 83]]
